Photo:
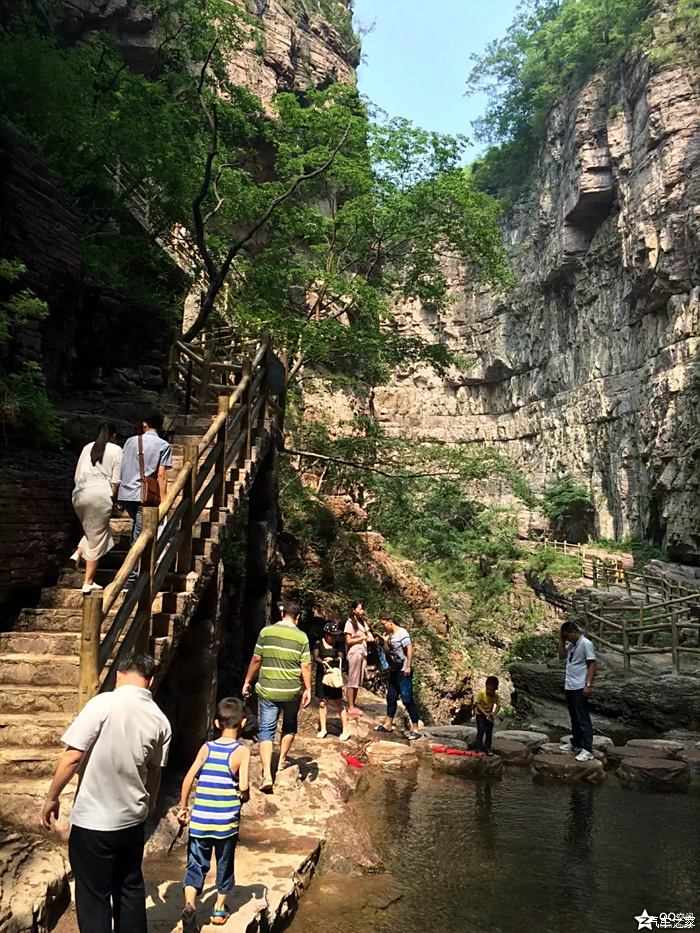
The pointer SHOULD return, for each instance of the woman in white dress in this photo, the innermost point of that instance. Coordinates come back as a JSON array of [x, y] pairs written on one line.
[[97, 478]]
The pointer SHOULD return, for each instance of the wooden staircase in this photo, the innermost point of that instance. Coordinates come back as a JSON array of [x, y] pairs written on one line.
[[61, 653]]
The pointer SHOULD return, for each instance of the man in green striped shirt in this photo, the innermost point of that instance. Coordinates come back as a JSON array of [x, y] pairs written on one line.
[[282, 663]]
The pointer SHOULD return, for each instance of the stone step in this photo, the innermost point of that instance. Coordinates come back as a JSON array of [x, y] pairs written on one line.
[[28, 761], [73, 579], [22, 698], [32, 729], [38, 670], [22, 799], [39, 642], [58, 619]]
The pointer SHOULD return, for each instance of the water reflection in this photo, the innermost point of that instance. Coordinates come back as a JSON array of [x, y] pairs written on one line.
[[578, 870], [469, 857]]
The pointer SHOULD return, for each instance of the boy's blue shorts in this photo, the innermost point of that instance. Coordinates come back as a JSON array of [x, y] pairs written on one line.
[[199, 851]]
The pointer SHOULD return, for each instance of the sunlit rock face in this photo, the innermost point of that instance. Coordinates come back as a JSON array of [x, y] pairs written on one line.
[[592, 365]]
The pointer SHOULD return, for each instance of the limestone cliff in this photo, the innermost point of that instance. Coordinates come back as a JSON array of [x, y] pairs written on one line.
[[592, 365]]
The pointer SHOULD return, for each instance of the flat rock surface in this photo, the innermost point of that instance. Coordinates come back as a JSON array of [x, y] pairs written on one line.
[[619, 753], [656, 773], [565, 768], [466, 764], [664, 745], [691, 757], [532, 739], [461, 733], [601, 742], [516, 753], [391, 755]]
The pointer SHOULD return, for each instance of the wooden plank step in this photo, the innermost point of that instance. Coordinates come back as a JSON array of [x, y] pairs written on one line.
[[23, 698]]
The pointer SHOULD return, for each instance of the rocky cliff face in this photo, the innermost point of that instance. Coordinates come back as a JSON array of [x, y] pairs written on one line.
[[592, 365]]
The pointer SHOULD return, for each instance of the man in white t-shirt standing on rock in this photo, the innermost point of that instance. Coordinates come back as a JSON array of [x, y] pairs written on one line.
[[118, 743], [581, 666]]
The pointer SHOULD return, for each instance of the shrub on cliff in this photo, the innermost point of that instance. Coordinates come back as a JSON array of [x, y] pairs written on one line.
[[569, 508], [550, 50]]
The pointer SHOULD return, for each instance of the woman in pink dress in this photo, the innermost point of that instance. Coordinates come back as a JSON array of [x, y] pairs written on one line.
[[357, 635]]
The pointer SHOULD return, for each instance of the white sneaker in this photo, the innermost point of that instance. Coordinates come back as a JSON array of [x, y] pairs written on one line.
[[90, 588], [321, 734], [583, 755], [345, 736], [568, 747], [76, 558]]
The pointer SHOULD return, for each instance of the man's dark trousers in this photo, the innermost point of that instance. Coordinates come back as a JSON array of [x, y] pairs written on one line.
[[109, 889], [581, 725]]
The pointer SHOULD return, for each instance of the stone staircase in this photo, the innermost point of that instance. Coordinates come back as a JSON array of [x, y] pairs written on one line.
[[40, 658]]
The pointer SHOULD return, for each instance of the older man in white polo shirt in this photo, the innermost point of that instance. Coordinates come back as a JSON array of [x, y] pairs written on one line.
[[118, 742]]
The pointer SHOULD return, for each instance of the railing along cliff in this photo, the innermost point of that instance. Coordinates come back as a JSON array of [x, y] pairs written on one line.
[[166, 540], [654, 615]]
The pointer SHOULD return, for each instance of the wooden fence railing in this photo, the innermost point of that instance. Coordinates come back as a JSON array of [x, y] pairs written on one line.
[[653, 615], [166, 540], [657, 628]]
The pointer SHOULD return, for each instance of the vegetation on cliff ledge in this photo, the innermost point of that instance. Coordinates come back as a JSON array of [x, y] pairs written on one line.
[[550, 50]]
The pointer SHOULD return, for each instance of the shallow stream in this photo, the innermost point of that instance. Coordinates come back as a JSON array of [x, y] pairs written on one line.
[[463, 856]]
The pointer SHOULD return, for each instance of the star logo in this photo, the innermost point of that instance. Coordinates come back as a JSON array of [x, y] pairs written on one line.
[[646, 921]]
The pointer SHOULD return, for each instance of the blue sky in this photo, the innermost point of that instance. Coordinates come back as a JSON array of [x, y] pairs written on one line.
[[417, 59]]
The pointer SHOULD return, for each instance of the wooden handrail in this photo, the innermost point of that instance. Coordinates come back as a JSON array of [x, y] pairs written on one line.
[[167, 532]]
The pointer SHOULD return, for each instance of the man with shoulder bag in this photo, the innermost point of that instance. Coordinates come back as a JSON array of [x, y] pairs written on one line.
[[145, 461]]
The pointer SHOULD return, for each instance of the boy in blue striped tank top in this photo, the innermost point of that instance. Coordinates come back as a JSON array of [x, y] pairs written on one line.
[[221, 769]]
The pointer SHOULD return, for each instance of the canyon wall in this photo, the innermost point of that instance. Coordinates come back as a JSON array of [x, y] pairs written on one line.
[[592, 364]]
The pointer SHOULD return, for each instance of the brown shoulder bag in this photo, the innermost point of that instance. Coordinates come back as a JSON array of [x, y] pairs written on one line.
[[150, 490]]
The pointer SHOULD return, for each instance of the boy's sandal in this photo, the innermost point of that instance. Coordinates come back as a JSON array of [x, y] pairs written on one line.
[[266, 787], [383, 728], [219, 917]]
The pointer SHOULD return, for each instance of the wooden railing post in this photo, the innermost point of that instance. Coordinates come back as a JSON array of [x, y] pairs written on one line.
[[148, 566], [640, 636], [247, 406], [219, 497], [172, 366], [675, 644], [206, 376], [188, 387], [625, 646], [184, 557], [90, 648], [595, 572]]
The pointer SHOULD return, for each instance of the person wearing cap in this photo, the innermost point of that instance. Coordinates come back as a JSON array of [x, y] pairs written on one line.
[[328, 658]]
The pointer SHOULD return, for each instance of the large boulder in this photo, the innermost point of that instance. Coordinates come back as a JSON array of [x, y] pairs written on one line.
[[468, 765], [566, 768], [34, 888], [391, 756], [533, 740], [691, 756], [514, 753], [655, 773]]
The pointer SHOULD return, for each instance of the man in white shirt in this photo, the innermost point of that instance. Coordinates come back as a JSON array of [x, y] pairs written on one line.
[[581, 666], [118, 743]]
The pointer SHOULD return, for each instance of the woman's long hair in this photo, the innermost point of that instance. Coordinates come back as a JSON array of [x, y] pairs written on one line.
[[98, 448], [353, 617]]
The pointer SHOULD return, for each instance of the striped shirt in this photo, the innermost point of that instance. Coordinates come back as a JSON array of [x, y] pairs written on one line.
[[217, 800], [283, 649]]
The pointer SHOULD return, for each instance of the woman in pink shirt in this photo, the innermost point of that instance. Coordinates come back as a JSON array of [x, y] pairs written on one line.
[[357, 635]]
